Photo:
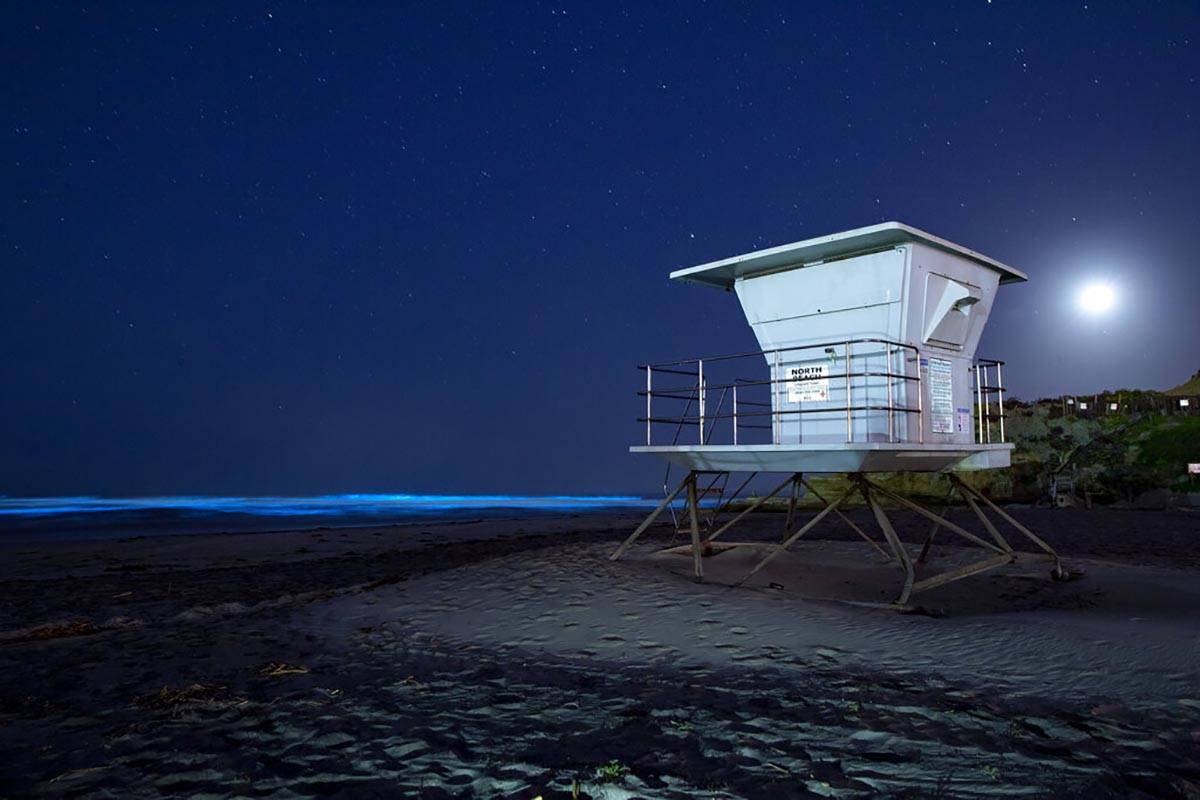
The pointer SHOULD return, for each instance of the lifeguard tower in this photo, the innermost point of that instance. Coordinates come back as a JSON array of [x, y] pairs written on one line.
[[868, 340]]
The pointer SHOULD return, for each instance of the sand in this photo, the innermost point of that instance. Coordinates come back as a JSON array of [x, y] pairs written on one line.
[[510, 658]]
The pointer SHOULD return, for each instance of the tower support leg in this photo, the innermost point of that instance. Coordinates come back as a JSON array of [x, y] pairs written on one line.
[[694, 513], [893, 540], [793, 498], [1001, 552]]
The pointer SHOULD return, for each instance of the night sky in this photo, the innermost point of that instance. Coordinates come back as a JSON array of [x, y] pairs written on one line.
[[304, 248]]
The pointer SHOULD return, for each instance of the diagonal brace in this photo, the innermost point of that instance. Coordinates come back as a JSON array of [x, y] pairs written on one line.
[[746, 511], [929, 515], [848, 521], [968, 490], [788, 542], [688, 481]]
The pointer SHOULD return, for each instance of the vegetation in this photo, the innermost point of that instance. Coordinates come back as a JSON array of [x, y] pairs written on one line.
[[1189, 388], [1107, 454], [612, 772]]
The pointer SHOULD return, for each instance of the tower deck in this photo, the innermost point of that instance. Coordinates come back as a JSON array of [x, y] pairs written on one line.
[[832, 458]]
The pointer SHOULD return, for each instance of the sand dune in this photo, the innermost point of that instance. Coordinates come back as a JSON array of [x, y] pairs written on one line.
[[572, 600]]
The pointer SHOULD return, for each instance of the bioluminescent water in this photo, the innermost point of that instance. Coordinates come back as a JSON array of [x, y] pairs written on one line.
[[95, 517]]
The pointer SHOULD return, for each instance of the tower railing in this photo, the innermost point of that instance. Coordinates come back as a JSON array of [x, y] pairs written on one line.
[[880, 382], [870, 365]]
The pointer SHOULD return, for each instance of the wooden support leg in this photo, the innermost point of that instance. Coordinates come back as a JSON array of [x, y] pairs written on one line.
[[792, 539], [650, 519], [897, 546], [694, 513], [746, 511]]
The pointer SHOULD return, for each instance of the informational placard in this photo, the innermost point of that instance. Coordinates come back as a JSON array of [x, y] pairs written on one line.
[[1193, 469], [1184, 403], [808, 383], [941, 396]]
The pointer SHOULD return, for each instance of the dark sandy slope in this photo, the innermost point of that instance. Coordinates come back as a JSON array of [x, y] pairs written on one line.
[[361, 663]]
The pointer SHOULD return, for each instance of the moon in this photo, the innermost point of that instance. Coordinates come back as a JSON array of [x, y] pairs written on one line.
[[1097, 298]]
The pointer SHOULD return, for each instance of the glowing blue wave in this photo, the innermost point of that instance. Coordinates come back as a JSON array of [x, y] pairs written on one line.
[[324, 505]]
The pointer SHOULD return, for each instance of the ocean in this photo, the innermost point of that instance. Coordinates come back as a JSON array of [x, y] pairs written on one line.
[[58, 518]]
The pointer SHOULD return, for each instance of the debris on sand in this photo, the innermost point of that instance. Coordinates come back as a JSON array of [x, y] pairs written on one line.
[[170, 698], [69, 774], [274, 669], [52, 630]]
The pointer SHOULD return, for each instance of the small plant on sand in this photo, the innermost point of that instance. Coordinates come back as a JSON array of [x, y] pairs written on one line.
[[991, 770], [853, 707], [1016, 729], [682, 725], [612, 772]]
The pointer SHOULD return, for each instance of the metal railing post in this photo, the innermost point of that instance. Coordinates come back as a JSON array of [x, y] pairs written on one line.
[[987, 407], [849, 414], [920, 402], [979, 404], [700, 394], [735, 414], [649, 403], [1000, 399], [776, 402], [891, 408]]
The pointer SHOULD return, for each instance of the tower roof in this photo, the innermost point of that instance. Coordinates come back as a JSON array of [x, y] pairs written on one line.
[[833, 247]]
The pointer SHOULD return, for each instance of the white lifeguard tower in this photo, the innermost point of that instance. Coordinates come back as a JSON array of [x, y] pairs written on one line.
[[868, 338]]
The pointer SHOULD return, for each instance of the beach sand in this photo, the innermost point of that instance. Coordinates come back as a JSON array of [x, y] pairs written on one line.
[[511, 658]]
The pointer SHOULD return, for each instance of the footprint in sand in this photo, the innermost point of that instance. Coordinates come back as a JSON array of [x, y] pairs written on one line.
[[612, 637]]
